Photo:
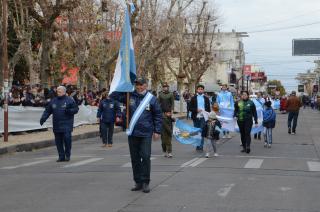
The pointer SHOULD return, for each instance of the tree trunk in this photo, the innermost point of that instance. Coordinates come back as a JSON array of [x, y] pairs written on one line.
[[45, 55]]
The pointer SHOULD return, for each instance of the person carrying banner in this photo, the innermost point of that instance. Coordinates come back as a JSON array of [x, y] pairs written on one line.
[[199, 104], [244, 112], [63, 109], [106, 115], [261, 102], [225, 101]]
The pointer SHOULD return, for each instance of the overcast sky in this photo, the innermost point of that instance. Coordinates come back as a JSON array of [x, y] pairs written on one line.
[[272, 50]]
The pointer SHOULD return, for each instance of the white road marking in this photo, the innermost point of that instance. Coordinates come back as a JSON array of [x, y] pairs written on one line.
[[197, 162], [314, 166], [223, 192], [189, 162], [84, 162], [73, 156], [284, 189], [267, 157], [253, 164], [128, 165], [26, 164]]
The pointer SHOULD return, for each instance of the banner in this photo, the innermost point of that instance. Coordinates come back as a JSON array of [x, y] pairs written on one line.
[[27, 118], [186, 134]]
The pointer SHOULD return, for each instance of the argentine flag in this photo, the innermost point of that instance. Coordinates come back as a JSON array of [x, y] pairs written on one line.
[[125, 72]]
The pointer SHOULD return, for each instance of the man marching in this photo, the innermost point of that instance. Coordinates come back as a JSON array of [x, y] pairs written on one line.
[[63, 109], [145, 122]]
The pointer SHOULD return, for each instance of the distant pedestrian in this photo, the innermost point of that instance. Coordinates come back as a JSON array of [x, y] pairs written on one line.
[[63, 109], [212, 134], [293, 107], [261, 102], [225, 101], [269, 122], [199, 105], [106, 116], [245, 111], [166, 133]]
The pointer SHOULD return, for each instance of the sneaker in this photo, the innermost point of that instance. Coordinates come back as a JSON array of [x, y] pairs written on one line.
[[109, 145], [269, 146], [207, 155], [169, 155], [215, 155], [265, 144], [224, 136], [165, 154], [289, 130], [293, 133], [229, 136]]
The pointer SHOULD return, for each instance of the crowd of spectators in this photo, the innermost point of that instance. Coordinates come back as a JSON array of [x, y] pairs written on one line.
[[37, 96]]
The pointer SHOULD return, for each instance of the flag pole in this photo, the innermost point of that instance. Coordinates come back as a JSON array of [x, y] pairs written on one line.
[[127, 110]]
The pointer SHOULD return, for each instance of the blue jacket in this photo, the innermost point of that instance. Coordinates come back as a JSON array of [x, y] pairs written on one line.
[[63, 110], [150, 120], [269, 118], [108, 108]]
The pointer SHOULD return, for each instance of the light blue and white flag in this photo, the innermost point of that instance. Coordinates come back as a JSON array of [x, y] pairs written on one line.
[[186, 134], [125, 72]]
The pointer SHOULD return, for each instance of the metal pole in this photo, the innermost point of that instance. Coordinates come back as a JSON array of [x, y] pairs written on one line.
[[5, 66], [242, 80]]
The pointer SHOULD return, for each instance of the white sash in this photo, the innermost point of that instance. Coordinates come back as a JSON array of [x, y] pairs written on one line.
[[138, 112]]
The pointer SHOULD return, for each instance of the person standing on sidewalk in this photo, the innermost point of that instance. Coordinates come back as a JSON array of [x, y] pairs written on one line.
[[106, 116], [200, 104], [293, 107], [63, 109], [166, 98], [145, 122], [244, 112]]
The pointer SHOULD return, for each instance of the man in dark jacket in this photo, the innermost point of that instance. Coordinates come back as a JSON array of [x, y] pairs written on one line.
[[199, 104], [106, 115], [146, 125], [166, 98], [293, 107], [63, 109]]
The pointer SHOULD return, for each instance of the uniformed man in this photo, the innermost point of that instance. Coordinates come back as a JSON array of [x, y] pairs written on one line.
[[145, 123], [106, 116], [166, 98], [63, 109]]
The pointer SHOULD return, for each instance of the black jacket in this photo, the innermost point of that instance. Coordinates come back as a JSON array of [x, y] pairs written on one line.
[[194, 106]]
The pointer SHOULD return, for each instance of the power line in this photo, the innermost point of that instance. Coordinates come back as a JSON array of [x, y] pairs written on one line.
[[285, 28]]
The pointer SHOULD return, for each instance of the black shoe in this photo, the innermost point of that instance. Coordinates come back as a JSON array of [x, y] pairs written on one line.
[[248, 151], [289, 130], [145, 188], [197, 148], [243, 150], [137, 187], [67, 159], [60, 160]]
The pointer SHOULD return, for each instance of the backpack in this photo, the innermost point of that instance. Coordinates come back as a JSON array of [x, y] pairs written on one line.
[[269, 118]]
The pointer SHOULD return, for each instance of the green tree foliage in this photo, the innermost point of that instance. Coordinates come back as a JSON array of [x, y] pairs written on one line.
[[277, 86]]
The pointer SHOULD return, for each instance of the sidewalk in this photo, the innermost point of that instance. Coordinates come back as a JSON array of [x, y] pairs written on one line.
[[27, 141]]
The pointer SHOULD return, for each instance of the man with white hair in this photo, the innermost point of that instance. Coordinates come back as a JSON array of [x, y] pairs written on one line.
[[63, 108]]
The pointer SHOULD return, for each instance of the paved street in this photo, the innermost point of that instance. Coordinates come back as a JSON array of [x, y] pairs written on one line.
[[283, 178]]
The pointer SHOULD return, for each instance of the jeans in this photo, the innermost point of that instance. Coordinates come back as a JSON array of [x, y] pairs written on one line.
[[200, 123], [140, 152], [293, 116], [63, 143], [268, 135], [245, 130], [107, 132]]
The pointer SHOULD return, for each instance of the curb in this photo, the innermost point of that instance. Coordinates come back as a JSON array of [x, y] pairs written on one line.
[[48, 143]]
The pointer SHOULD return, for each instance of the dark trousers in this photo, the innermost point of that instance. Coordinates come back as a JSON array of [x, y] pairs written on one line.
[[293, 116], [257, 135], [140, 152], [245, 130], [107, 132], [200, 123], [166, 143], [63, 143]]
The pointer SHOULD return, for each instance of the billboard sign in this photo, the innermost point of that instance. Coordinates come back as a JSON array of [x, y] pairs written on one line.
[[301, 88], [306, 47]]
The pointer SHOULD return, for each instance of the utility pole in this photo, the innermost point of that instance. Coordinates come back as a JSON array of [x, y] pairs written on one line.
[[5, 66]]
